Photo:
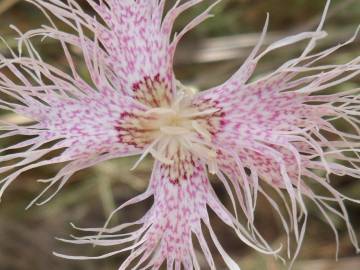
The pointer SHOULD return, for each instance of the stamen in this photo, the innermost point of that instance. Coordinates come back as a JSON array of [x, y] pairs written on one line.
[[212, 166], [199, 114], [174, 130], [162, 158], [161, 111], [201, 150], [179, 97], [190, 91], [146, 152], [202, 131]]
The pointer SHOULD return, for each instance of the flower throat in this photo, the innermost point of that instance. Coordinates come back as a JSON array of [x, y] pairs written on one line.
[[174, 134]]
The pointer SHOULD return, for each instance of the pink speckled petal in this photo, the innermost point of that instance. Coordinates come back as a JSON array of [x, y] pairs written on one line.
[[165, 235], [281, 127], [65, 116], [138, 49]]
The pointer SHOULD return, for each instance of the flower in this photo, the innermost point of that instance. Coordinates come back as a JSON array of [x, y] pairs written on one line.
[[277, 130]]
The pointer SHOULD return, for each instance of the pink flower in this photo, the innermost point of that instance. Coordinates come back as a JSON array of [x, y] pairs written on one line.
[[277, 130]]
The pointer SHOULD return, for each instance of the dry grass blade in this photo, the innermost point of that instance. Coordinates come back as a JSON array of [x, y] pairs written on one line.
[[5, 5]]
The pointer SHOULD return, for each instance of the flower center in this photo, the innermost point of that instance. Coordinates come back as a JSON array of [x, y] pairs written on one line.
[[174, 134]]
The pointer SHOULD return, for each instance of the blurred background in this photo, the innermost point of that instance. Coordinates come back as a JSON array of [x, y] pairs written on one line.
[[27, 238]]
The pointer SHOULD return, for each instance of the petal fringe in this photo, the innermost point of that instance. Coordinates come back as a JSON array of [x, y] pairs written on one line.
[[136, 38], [65, 118], [164, 235], [282, 129]]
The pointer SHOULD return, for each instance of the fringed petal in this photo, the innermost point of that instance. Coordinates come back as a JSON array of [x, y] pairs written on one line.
[[164, 235], [281, 129], [63, 117], [136, 38]]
